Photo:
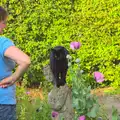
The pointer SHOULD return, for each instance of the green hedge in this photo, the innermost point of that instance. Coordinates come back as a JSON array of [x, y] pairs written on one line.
[[38, 25]]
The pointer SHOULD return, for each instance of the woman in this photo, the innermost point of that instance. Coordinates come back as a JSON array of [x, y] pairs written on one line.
[[9, 55]]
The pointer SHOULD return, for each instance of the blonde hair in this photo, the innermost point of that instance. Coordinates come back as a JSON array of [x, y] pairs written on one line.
[[3, 13]]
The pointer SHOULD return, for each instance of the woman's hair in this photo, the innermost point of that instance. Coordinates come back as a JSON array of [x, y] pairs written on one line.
[[3, 13]]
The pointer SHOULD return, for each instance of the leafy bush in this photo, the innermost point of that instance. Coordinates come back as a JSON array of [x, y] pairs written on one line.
[[37, 26]]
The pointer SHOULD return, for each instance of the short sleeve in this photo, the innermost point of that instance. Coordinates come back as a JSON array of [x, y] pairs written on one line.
[[4, 44]]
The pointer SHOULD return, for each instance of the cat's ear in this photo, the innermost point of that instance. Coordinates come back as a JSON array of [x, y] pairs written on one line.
[[53, 50]]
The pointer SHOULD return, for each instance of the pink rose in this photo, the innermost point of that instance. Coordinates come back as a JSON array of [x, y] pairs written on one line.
[[99, 77], [75, 45], [81, 117], [54, 114]]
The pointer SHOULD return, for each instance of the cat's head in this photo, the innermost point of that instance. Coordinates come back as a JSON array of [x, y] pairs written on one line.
[[59, 53]]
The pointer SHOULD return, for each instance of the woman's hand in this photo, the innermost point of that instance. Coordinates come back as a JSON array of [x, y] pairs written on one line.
[[7, 82]]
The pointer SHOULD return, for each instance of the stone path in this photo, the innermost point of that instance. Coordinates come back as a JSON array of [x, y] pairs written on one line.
[[108, 101]]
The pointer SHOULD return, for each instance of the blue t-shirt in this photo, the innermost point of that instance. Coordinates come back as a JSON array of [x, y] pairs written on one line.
[[7, 95]]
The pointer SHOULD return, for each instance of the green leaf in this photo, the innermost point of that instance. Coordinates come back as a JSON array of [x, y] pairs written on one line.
[[114, 113], [93, 112]]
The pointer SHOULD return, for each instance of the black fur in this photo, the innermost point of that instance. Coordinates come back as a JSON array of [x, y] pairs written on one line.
[[59, 65]]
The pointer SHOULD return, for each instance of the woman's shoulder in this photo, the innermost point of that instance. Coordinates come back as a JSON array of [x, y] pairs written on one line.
[[4, 44], [3, 39]]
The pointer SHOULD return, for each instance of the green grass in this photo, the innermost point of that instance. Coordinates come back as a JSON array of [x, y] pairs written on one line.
[[116, 91], [29, 108], [33, 110]]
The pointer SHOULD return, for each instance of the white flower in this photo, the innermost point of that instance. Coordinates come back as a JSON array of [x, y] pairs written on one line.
[[81, 71], [68, 57], [77, 60], [69, 64]]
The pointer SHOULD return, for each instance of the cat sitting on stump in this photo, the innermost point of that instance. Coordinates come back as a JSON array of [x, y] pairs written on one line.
[[59, 65], [60, 97]]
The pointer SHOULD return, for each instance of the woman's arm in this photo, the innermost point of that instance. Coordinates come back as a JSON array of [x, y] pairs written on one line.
[[23, 62]]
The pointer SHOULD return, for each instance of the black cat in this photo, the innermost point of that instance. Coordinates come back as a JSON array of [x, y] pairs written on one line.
[[59, 65]]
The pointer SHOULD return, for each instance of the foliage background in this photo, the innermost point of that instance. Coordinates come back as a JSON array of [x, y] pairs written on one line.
[[38, 25]]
